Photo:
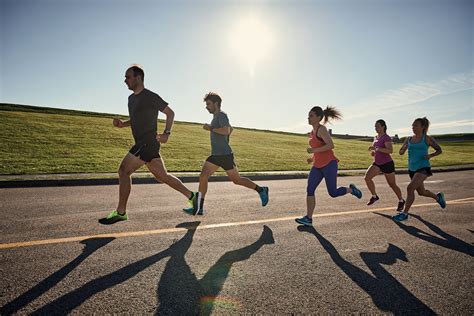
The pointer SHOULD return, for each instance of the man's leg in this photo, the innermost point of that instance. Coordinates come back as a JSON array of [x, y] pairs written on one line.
[[158, 169], [234, 175], [129, 165], [207, 170]]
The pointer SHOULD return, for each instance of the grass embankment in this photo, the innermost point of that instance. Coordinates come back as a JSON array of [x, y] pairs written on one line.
[[38, 140]]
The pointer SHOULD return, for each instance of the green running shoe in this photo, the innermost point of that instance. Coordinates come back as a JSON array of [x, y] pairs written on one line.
[[191, 200], [190, 211], [113, 218]]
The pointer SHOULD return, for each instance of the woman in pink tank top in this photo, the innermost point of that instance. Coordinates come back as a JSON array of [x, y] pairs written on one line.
[[324, 162], [381, 149]]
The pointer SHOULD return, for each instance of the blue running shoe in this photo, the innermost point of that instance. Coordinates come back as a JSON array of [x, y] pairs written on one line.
[[355, 192], [190, 211], [305, 220], [264, 196], [441, 200], [400, 217]]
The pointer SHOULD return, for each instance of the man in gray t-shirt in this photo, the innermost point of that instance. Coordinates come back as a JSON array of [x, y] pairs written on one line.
[[221, 155], [143, 108], [220, 143]]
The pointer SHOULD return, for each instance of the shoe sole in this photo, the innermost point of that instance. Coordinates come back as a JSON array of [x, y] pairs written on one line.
[[372, 203], [190, 211], [305, 224], [268, 198], [443, 206], [401, 209], [352, 186], [398, 220], [198, 203], [105, 221]]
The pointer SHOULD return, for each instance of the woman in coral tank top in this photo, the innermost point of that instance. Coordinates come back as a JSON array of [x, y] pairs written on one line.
[[323, 160]]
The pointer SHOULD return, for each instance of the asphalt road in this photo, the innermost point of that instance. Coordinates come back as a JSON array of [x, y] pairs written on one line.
[[55, 258]]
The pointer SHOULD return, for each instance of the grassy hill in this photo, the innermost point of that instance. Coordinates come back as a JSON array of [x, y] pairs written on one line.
[[46, 140]]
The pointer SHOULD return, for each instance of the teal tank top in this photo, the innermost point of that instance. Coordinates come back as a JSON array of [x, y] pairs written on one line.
[[417, 153]]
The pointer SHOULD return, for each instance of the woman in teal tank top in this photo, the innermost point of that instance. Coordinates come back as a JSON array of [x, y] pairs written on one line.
[[419, 166]]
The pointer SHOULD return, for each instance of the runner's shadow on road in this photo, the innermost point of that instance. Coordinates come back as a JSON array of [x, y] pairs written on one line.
[[68, 302], [181, 293], [386, 292], [447, 241], [91, 245]]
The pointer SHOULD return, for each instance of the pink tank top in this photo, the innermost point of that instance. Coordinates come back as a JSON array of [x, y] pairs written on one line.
[[381, 158], [322, 159]]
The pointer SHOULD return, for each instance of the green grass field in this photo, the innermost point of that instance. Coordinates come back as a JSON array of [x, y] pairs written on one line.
[[36, 141]]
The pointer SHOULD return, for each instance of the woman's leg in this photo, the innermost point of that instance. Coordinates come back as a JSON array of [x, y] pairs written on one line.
[[314, 179], [424, 192], [392, 182], [372, 172], [415, 183], [330, 176]]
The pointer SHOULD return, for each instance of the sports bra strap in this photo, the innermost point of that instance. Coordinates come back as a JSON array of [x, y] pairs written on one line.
[[316, 134]]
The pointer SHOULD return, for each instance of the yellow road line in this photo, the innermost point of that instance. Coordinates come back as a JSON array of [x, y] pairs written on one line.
[[210, 226]]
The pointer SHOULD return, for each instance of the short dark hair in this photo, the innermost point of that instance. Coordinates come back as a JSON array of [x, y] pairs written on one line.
[[138, 71], [214, 97]]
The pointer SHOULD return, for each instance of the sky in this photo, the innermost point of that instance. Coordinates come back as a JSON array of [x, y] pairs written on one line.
[[270, 61]]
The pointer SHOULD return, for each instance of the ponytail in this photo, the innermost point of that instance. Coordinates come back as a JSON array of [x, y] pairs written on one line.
[[425, 124], [330, 113]]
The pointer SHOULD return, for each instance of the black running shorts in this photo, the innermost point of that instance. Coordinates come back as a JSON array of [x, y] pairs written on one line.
[[146, 151], [226, 162], [426, 171], [388, 167]]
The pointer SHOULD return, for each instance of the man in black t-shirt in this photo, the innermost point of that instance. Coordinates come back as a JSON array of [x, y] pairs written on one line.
[[143, 108]]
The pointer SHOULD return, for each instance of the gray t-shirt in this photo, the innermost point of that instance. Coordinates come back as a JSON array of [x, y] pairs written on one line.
[[143, 111], [220, 143]]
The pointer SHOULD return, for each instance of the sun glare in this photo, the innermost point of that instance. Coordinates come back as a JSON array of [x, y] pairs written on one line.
[[251, 41]]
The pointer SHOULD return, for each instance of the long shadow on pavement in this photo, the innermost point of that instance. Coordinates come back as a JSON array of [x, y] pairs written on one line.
[[447, 241], [181, 293], [66, 303], [386, 292], [91, 245]]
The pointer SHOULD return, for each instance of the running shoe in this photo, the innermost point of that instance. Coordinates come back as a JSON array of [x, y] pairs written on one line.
[[401, 206], [190, 201], [305, 220], [356, 192], [441, 200], [264, 196], [113, 218], [196, 200], [190, 211], [400, 217], [373, 199]]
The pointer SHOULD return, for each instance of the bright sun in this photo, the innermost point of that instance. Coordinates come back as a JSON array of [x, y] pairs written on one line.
[[250, 41]]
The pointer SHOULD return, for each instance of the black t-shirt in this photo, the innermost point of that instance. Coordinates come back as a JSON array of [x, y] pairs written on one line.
[[143, 111]]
